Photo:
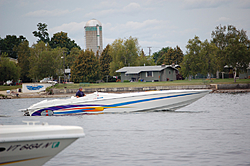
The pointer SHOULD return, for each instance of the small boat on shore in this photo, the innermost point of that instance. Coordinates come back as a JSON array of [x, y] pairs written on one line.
[[25, 145], [116, 103]]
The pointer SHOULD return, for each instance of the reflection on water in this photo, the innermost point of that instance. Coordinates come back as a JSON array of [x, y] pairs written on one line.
[[212, 131]]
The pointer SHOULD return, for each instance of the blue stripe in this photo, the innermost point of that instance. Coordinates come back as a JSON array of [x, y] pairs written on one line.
[[151, 99], [72, 112]]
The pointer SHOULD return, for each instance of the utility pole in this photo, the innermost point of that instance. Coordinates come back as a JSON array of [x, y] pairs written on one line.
[[63, 57], [149, 50], [107, 78], [64, 67]]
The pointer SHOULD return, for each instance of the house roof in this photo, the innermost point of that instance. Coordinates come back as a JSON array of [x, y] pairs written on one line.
[[138, 69]]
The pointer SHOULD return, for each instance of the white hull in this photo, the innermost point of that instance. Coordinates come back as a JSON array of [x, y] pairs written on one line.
[[117, 103], [24, 145]]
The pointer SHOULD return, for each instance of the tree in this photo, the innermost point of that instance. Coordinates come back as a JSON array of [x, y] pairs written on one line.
[[56, 61], [124, 53], [35, 56], [237, 55], [61, 39], [173, 56], [8, 69], [158, 56], [131, 46], [70, 59], [117, 52], [142, 59], [208, 55], [44, 61], [192, 63], [42, 33], [105, 60], [201, 58], [186, 66], [23, 53], [85, 68], [9, 42], [227, 39], [220, 40], [169, 57], [178, 54]]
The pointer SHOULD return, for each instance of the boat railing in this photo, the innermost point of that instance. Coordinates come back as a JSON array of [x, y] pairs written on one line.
[[32, 122]]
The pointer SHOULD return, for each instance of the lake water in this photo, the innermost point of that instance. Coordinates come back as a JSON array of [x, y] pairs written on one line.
[[214, 130]]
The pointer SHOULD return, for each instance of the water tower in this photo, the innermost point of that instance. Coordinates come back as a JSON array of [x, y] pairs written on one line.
[[93, 36]]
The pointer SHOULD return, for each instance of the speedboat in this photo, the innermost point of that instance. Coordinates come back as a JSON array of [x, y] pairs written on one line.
[[33, 144], [99, 102]]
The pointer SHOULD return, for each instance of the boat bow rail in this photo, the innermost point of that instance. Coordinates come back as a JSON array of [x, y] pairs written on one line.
[[12, 133]]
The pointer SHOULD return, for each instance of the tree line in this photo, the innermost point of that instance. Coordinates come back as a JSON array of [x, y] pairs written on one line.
[[42, 59], [228, 46]]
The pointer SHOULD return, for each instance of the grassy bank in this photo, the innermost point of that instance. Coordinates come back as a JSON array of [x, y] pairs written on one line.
[[142, 84], [148, 84], [4, 88]]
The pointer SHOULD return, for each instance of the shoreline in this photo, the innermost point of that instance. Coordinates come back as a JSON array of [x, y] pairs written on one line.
[[63, 93], [38, 95]]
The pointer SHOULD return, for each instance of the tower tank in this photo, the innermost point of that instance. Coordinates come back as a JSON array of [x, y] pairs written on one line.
[[93, 36]]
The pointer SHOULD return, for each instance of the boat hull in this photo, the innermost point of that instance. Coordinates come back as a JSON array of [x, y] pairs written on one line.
[[25, 145], [30, 152], [120, 103]]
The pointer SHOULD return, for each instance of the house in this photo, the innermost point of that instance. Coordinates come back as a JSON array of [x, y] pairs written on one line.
[[246, 74], [148, 73], [228, 73]]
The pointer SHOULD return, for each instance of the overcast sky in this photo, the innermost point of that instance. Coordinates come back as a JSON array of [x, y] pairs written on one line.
[[156, 23]]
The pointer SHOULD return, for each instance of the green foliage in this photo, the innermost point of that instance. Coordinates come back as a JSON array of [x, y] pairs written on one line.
[[9, 42], [23, 52], [229, 46], [105, 60], [124, 53], [208, 55], [173, 56], [222, 35], [201, 58], [61, 39], [44, 61], [42, 33], [85, 68], [131, 51], [117, 51], [158, 56], [237, 54], [233, 47], [8, 69], [142, 60], [70, 59], [192, 62], [56, 61]]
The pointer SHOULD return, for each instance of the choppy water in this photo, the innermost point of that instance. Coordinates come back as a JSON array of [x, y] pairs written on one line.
[[214, 130]]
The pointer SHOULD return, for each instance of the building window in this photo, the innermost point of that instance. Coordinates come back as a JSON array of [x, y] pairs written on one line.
[[149, 74], [169, 72]]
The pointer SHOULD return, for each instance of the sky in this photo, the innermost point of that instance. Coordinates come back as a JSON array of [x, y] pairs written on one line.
[[155, 23]]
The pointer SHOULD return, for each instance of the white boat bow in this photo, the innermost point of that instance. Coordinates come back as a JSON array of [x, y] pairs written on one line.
[[24, 145]]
